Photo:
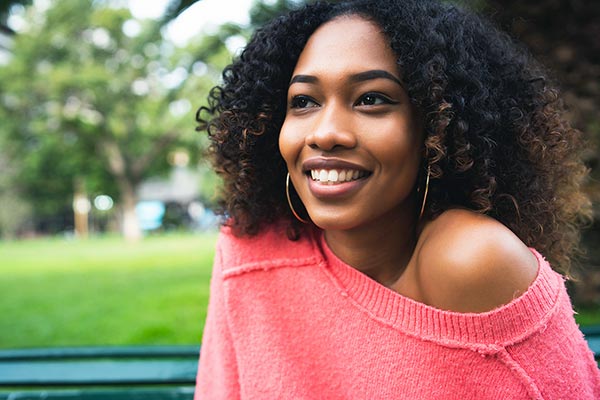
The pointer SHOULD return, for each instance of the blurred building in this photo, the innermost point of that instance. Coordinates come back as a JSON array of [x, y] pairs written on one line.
[[173, 202]]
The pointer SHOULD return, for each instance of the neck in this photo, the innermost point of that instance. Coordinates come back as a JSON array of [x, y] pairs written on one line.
[[380, 250]]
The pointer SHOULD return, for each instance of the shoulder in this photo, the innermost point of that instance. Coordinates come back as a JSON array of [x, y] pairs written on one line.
[[270, 247], [468, 262]]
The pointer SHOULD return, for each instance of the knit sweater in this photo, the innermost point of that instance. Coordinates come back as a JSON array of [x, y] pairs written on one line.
[[289, 320]]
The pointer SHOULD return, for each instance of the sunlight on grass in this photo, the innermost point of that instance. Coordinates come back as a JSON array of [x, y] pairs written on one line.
[[104, 291]]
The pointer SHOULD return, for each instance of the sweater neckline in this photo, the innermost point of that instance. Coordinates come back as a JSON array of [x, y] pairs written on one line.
[[502, 326]]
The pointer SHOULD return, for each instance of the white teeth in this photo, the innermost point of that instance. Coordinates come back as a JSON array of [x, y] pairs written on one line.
[[323, 175], [335, 176]]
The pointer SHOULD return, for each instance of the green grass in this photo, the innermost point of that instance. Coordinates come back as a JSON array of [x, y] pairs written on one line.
[[587, 316], [104, 291]]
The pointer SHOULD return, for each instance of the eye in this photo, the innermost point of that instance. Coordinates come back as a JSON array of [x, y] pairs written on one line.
[[374, 99], [302, 101]]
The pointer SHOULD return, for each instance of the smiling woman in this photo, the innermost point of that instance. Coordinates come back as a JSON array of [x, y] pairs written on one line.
[[419, 165], [348, 115]]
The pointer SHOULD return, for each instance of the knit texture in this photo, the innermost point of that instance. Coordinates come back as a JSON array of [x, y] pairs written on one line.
[[289, 320]]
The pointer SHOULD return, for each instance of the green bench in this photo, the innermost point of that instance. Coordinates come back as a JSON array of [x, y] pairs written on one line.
[[99, 373], [592, 335], [102, 373]]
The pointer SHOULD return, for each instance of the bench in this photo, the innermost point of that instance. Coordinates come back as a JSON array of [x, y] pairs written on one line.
[[592, 335], [102, 373], [99, 373]]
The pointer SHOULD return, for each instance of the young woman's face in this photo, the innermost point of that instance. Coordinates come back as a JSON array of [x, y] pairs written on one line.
[[350, 139]]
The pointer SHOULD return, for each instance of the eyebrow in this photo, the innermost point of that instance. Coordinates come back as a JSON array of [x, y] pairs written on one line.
[[374, 74], [360, 77], [303, 79]]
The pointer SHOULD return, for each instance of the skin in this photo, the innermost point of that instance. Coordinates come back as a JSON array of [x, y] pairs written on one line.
[[348, 107]]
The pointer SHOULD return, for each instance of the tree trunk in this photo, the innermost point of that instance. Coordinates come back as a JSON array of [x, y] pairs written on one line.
[[130, 225]]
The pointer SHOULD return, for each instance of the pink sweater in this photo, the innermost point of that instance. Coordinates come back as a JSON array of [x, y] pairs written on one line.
[[289, 320]]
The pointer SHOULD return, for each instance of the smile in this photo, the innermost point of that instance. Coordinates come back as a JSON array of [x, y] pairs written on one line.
[[336, 176]]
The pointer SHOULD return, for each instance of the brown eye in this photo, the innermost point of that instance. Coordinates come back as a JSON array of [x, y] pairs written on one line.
[[369, 100], [374, 99], [303, 102]]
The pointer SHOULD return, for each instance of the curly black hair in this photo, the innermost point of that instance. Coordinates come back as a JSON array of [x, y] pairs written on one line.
[[495, 140]]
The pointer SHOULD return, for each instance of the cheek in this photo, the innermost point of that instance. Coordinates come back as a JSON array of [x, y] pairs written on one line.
[[394, 142], [289, 145]]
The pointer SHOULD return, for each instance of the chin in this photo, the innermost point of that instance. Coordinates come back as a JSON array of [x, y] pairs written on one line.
[[333, 222]]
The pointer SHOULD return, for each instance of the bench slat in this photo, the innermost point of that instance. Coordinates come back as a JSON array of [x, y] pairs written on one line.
[[88, 372], [592, 336], [99, 373], [100, 352], [594, 343], [183, 393]]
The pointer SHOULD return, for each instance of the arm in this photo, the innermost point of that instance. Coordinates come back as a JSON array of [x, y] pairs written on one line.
[[217, 371]]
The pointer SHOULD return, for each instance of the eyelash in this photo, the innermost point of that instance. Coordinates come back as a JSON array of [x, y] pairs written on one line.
[[301, 101], [295, 103], [376, 96]]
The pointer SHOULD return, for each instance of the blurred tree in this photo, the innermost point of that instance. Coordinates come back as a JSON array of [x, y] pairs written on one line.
[[14, 209], [263, 12], [175, 8], [91, 94], [260, 13], [5, 7]]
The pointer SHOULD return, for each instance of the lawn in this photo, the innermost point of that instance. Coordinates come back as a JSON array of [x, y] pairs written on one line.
[[103, 291], [58, 292]]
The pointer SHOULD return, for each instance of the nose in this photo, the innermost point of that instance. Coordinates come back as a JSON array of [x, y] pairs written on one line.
[[333, 128]]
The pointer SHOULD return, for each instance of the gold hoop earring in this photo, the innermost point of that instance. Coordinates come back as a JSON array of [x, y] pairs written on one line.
[[425, 192], [289, 199]]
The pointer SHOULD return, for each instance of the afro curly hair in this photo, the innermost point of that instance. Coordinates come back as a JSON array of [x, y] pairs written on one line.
[[496, 140]]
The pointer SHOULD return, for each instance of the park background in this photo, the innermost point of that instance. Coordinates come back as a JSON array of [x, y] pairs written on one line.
[[106, 221]]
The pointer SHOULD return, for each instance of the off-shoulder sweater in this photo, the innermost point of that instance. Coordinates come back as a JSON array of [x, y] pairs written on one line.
[[289, 320]]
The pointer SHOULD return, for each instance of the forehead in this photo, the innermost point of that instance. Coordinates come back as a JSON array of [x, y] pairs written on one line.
[[347, 42]]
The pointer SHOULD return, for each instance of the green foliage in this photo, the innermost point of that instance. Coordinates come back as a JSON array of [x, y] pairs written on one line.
[[104, 291], [14, 210], [261, 12], [82, 100], [5, 7], [13, 213]]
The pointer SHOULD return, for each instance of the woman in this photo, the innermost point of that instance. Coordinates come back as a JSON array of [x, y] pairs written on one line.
[[389, 168]]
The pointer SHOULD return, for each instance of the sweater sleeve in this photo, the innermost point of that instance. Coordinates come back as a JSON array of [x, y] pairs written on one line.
[[217, 371]]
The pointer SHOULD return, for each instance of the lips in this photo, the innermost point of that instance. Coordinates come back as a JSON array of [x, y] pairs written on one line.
[[332, 178]]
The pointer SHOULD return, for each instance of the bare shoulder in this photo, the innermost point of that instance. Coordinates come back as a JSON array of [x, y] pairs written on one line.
[[468, 262]]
